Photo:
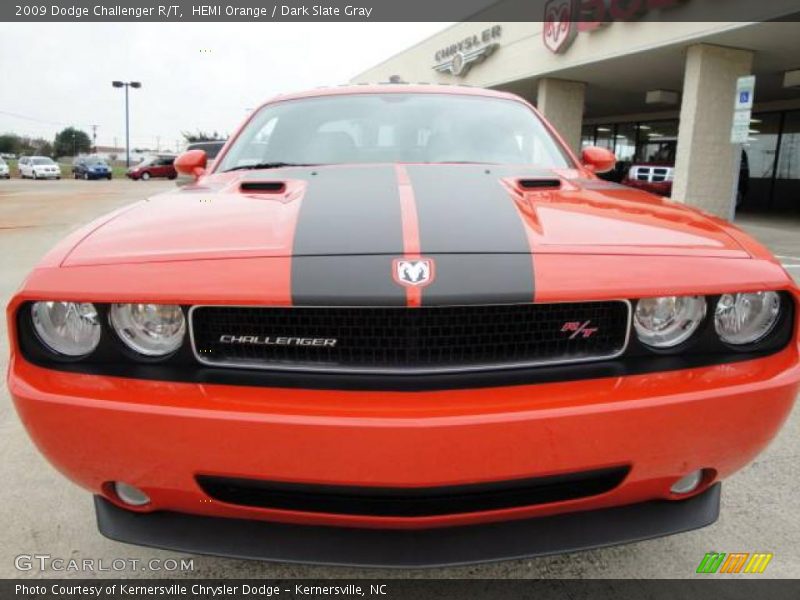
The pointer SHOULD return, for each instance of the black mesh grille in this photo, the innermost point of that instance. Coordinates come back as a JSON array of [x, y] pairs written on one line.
[[412, 502], [412, 339]]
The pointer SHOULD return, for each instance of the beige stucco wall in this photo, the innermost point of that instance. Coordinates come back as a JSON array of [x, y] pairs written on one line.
[[522, 53], [706, 165], [561, 102]]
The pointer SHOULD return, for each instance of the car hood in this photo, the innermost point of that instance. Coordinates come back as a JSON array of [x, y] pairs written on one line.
[[400, 209]]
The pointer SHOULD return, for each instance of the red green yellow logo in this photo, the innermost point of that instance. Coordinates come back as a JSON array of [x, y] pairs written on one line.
[[735, 562]]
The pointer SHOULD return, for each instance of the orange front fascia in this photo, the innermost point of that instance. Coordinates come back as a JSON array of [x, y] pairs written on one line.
[[160, 435]]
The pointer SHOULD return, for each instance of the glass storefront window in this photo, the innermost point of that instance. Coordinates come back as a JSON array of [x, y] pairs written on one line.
[[587, 135], [624, 148], [625, 142], [787, 178], [761, 150], [766, 185], [605, 137], [658, 142]]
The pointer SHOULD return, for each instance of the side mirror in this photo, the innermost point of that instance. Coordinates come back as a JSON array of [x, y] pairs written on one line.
[[191, 163], [598, 160]]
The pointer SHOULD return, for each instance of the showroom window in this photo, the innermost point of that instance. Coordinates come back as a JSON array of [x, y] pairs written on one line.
[[658, 142], [786, 195], [588, 135], [762, 150], [771, 155]]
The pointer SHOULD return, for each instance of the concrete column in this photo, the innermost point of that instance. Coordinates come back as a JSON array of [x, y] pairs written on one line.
[[561, 102], [706, 163]]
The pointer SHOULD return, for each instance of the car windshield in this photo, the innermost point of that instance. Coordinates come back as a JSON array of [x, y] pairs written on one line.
[[210, 148], [42, 161], [396, 127]]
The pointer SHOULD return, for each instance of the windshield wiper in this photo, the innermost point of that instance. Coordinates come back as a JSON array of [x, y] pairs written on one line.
[[268, 165]]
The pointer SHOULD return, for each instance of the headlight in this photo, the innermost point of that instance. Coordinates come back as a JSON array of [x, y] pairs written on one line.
[[67, 328], [746, 318], [668, 321], [149, 329]]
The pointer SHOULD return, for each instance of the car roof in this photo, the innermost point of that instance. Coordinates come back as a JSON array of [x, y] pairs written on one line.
[[395, 88]]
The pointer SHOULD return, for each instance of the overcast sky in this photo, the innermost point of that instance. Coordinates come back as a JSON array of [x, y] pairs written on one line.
[[194, 75]]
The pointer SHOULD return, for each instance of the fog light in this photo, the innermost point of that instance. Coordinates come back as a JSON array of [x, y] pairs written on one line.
[[687, 484], [130, 495]]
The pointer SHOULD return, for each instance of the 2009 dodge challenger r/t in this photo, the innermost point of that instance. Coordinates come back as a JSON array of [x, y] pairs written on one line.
[[402, 325]]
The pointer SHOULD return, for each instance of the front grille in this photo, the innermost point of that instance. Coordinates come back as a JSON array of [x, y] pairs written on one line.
[[409, 340], [411, 502], [651, 174]]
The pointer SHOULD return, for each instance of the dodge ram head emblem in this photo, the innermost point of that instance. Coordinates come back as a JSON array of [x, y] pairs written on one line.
[[559, 27], [416, 273]]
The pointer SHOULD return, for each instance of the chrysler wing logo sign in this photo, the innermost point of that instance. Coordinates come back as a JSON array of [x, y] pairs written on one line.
[[560, 27], [461, 62], [459, 57], [413, 273]]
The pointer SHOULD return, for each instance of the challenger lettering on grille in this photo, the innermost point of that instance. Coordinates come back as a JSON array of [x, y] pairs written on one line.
[[259, 340]]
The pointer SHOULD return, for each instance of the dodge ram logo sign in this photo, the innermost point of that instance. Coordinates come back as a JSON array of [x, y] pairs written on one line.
[[415, 273], [560, 27]]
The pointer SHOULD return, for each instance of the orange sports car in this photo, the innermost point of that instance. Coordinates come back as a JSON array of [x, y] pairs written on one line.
[[403, 325]]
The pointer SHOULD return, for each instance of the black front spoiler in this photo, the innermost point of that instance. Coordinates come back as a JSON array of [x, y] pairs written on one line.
[[506, 540]]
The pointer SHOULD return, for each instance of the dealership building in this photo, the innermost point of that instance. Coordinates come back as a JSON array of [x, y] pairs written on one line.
[[653, 91]]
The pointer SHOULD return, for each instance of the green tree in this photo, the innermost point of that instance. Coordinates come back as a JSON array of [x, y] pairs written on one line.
[[34, 146], [200, 136], [71, 142], [10, 143]]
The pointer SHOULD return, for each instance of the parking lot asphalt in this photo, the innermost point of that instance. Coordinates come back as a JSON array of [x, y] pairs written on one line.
[[41, 513]]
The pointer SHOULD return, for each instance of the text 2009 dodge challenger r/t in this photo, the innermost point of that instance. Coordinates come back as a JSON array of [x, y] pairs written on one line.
[[403, 325]]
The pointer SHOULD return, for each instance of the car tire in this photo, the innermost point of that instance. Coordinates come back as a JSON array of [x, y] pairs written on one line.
[[109, 177], [145, 176]]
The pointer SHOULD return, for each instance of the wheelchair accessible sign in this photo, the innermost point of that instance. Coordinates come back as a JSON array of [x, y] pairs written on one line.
[[743, 108]]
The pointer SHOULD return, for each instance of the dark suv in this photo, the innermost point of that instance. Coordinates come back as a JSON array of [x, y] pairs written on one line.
[[91, 167]]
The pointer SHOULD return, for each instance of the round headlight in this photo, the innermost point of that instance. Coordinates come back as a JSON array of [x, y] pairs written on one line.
[[668, 321], [149, 329], [746, 318], [67, 328]]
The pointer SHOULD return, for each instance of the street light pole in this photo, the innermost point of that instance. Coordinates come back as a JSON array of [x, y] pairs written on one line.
[[126, 85]]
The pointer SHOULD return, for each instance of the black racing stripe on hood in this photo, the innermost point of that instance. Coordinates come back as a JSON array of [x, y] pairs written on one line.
[[469, 224], [348, 231]]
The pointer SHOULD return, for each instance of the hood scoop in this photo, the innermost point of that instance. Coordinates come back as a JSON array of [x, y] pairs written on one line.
[[262, 187], [539, 183]]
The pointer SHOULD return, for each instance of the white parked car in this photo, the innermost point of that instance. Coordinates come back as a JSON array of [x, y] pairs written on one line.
[[4, 174], [39, 167]]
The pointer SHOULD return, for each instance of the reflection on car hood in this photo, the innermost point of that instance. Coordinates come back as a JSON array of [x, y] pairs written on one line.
[[373, 210]]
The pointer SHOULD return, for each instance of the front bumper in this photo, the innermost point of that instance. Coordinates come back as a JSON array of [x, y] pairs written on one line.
[[558, 534], [160, 436]]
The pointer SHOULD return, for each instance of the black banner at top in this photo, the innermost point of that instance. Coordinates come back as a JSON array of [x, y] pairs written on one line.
[[588, 11]]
